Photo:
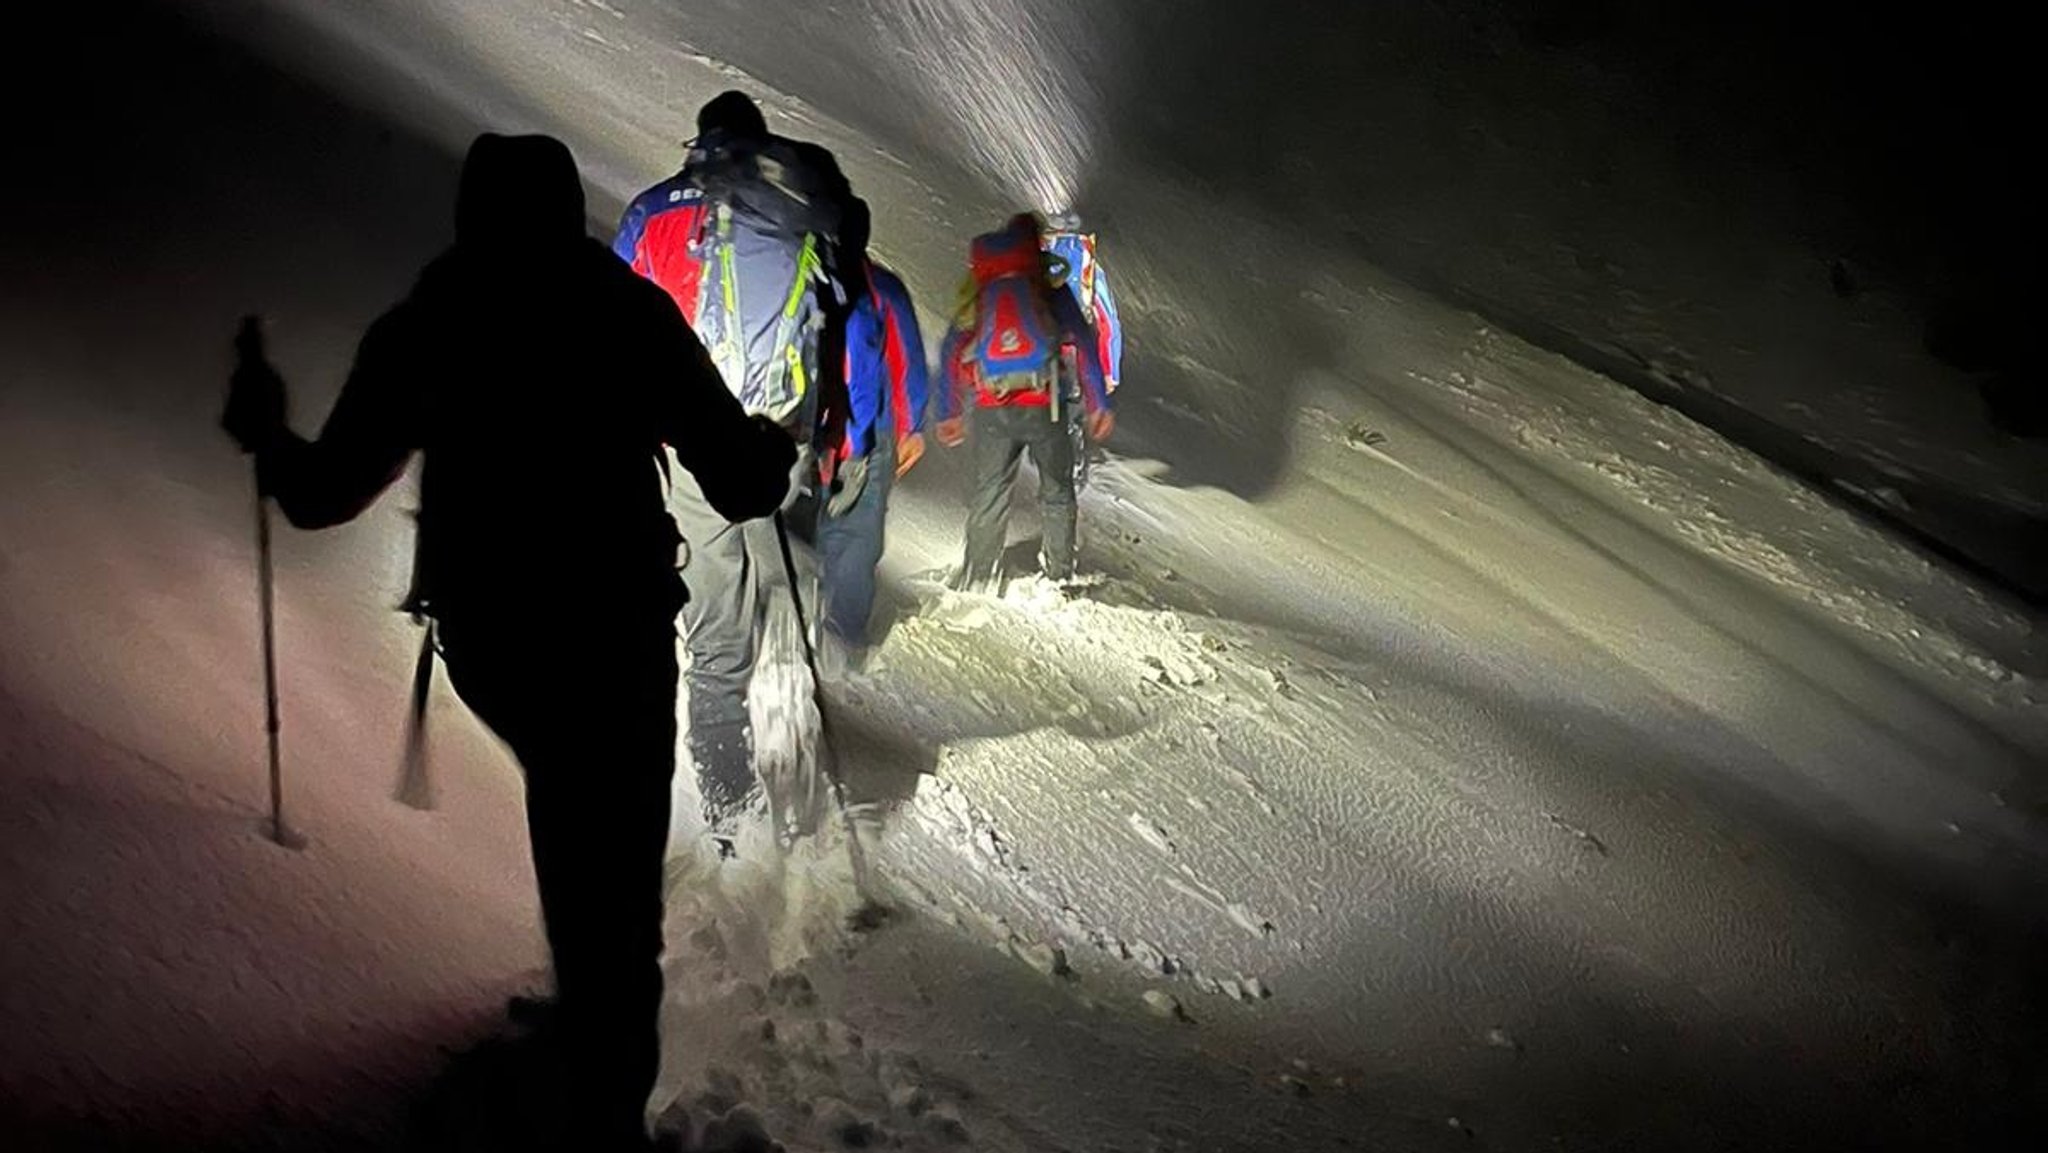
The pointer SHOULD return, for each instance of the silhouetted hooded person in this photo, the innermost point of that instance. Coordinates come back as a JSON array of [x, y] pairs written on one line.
[[518, 192], [539, 379]]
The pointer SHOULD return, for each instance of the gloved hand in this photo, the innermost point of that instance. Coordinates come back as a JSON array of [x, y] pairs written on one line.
[[255, 412], [847, 486], [1101, 423], [776, 441], [909, 451], [953, 433]]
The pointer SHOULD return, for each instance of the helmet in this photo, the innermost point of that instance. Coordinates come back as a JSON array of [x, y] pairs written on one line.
[[1065, 220]]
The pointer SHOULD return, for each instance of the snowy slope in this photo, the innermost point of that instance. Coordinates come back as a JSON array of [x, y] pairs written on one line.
[[1752, 215], [1455, 749]]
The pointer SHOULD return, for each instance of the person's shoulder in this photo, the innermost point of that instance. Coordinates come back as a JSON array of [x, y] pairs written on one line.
[[674, 192], [890, 285], [449, 277]]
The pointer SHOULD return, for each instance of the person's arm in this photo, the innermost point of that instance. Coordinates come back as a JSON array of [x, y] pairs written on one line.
[[953, 385], [909, 376], [366, 442], [1109, 331], [952, 380], [741, 463], [909, 380], [1076, 332], [863, 384], [632, 226]]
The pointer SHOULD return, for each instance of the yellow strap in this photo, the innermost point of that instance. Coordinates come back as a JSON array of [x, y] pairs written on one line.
[[728, 285], [963, 299], [796, 370], [727, 278], [806, 264]]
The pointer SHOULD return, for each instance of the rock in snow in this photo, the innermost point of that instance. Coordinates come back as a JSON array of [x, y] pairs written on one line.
[[1165, 1004], [1047, 958]]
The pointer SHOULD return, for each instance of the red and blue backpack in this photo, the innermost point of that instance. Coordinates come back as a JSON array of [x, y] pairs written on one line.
[[1014, 345]]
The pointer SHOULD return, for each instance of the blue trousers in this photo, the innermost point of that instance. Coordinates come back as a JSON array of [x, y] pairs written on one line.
[[850, 550]]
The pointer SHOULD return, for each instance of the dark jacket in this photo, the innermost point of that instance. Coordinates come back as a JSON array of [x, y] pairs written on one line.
[[540, 378]]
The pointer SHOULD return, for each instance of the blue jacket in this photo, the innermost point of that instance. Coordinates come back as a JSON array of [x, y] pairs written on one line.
[[1090, 286], [886, 376]]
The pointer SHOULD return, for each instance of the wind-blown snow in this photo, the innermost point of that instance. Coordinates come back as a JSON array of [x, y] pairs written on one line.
[[998, 69], [1450, 746]]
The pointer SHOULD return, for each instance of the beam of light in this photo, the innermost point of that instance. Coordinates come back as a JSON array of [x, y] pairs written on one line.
[[997, 70]]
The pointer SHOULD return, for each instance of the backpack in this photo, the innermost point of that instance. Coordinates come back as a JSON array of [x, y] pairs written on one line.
[[1071, 265], [1014, 343], [770, 217]]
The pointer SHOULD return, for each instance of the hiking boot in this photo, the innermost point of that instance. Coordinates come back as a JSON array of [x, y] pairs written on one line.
[[977, 582], [839, 659]]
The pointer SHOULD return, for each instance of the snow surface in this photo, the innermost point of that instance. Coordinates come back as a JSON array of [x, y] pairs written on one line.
[[1453, 748]]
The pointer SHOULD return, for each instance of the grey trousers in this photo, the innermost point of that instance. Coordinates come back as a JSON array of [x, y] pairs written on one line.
[[730, 569], [1001, 436]]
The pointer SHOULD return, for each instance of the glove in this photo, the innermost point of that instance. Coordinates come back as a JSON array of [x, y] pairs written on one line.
[[1101, 423], [775, 442], [255, 412], [909, 451], [847, 486], [953, 433]]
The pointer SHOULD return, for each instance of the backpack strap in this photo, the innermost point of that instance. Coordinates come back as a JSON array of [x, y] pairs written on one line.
[[807, 267], [728, 351]]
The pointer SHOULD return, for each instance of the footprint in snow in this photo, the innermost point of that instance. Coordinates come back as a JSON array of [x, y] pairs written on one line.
[[1584, 836], [1362, 436], [1152, 834]]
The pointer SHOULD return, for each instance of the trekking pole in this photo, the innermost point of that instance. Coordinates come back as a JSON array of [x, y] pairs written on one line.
[[266, 582], [249, 351], [415, 778], [826, 754]]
